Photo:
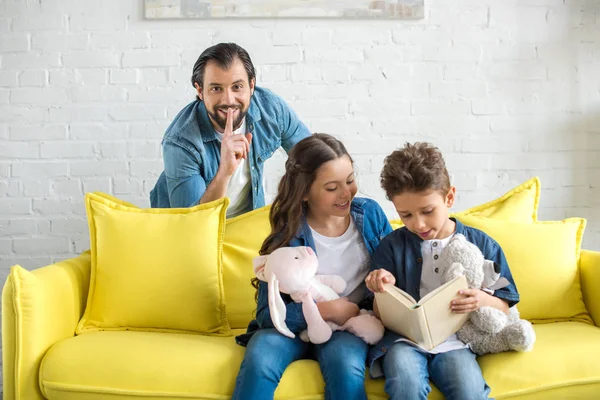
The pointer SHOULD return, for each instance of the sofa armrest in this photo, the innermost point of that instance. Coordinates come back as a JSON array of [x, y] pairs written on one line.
[[39, 308], [590, 282]]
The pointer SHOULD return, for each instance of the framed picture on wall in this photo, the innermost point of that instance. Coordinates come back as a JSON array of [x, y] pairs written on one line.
[[207, 9]]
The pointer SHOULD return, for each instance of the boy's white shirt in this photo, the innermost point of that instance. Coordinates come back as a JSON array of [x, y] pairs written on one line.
[[430, 251]]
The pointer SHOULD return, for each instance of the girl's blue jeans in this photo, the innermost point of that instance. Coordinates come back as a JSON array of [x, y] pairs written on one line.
[[268, 353]]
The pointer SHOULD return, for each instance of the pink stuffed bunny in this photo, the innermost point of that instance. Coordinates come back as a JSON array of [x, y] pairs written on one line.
[[292, 270]]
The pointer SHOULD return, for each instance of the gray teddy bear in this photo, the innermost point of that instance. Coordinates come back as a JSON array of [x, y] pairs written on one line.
[[488, 330]]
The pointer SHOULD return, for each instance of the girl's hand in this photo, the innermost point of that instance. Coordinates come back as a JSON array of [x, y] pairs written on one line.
[[376, 279], [473, 299], [338, 311]]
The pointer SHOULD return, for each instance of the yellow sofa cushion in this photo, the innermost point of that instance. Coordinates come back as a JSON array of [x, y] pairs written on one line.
[[563, 364], [244, 236], [155, 269], [519, 204], [544, 260]]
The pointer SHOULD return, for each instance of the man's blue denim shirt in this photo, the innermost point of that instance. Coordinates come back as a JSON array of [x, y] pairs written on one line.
[[192, 149], [372, 223], [400, 253]]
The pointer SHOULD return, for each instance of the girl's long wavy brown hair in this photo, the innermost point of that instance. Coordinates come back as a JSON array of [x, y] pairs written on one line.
[[288, 208]]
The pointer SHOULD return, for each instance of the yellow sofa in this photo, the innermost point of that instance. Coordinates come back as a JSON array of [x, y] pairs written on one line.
[[43, 358]]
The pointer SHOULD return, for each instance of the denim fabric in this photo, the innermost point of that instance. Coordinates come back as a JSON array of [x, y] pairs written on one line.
[[370, 220], [400, 253], [268, 354], [192, 149], [456, 373]]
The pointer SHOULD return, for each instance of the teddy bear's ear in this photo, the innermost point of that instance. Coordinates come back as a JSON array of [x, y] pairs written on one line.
[[497, 268], [259, 267]]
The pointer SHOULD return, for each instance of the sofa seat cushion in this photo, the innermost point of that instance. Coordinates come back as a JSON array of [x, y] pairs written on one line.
[[151, 365], [562, 365]]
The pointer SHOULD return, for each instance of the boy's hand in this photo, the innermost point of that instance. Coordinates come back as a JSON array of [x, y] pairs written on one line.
[[473, 299], [376, 279]]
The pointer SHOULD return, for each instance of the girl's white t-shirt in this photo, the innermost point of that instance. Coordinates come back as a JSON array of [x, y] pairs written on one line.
[[346, 256]]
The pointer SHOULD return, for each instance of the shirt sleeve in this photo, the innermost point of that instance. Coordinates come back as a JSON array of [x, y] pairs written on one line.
[[383, 258], [185, 185], [291, 128], [294, 318], [384, 229], [384, 224], [492, 251]]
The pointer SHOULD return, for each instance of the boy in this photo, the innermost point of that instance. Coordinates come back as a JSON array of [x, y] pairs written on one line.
[[415, 179]]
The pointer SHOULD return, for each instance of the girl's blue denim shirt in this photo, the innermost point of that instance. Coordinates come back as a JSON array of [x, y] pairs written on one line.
[[372, 223], [192, 149], [400, 253]]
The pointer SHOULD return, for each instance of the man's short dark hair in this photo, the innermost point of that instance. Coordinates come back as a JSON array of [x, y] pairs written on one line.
[[223, 54]]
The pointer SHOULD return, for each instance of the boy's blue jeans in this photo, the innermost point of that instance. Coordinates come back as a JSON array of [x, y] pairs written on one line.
[[456, 373], [342, 361]]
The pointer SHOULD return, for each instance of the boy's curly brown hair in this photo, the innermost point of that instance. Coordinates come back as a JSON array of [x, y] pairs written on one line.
[[414, 168]]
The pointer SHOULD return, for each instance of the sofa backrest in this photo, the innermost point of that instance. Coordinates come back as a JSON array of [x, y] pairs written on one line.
[[244, 236], [543, 257]]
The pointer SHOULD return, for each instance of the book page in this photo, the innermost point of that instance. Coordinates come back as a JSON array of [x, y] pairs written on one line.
[[441, 321], [426, 323], [402, 318], [444, 287], [400, 295]]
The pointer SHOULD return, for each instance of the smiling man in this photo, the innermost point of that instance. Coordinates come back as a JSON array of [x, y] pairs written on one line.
[[217, 145]]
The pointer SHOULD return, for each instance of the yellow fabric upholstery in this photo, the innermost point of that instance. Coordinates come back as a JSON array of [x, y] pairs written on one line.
[[173, 369], [39, 309], [590, 282], [544, 260], [42, 359], [563, 364], [244, 236], [155, 269], [519, 204]]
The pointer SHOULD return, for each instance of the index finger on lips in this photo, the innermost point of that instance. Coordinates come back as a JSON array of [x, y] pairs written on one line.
[[229, 124]]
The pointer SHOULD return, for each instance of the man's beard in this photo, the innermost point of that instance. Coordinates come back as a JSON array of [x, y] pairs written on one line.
[[222, 120]]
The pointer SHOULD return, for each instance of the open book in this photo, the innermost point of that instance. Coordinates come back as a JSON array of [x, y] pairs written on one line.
[[427, 322]]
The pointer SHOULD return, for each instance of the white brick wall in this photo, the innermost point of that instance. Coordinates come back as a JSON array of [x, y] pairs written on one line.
[[507, 89]]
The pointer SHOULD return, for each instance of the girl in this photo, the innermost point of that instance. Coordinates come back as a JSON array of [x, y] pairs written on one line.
[[315, 206]]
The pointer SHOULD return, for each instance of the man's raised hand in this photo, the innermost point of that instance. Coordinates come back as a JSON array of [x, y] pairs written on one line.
[[234, 148]]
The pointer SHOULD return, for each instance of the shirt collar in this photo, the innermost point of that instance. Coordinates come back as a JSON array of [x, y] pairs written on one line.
[[356, 211]]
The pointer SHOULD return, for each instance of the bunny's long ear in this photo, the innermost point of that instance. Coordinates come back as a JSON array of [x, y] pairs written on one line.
[[259, 267], [277, 307]]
